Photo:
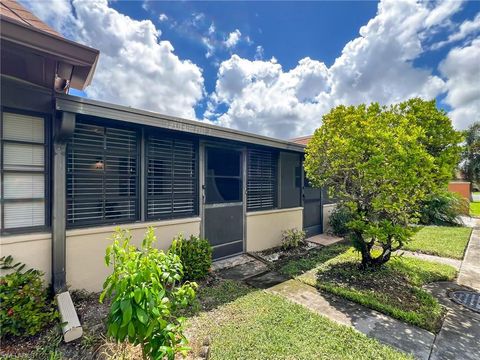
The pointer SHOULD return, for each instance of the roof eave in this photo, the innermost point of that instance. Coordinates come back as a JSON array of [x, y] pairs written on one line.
[[101, 109], [83, 58]]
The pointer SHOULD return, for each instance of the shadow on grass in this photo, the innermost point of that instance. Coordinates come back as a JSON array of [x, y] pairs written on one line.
[[299, 265], [215, 293]]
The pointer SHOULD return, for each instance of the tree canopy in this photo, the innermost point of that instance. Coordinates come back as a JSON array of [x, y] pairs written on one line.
[[471, 154], [382, 162]]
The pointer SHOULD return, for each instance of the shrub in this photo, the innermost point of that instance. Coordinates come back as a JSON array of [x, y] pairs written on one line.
[[146, 292], [339, 218], [24, 305], [195, 254], [292, 238], [443, 208]]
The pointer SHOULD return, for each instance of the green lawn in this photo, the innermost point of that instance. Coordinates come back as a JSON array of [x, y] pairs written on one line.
[[445, 241], [475, 208], [260, 325], [394, 289]]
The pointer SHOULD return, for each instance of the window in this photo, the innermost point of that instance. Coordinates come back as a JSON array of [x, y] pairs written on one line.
[[290, 180], [102, 175], [171, 177], [223, 176], [262, 180], [23, 151]]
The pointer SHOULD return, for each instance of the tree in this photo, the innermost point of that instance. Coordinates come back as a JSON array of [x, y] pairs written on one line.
[[471, 154], [381, 162], [440, 139]]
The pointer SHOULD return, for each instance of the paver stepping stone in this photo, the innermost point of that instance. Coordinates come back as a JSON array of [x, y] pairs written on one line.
[[324, 239], [244, 271], [266, 280]]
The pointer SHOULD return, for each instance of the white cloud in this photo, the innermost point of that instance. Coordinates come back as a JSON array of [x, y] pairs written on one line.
[[259, 52], [163, 17], [136, 68], [262, 98], [462, 69], [467, 28], [376, 66], [233, 38], [209, 45], [211, 29], [56, 13]]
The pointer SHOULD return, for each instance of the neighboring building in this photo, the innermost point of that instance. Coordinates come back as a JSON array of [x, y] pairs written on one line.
[[302, 140], [462, 188], [72, 169]]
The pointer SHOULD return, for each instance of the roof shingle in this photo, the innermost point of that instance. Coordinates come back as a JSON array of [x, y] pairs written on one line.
[[13, 10]]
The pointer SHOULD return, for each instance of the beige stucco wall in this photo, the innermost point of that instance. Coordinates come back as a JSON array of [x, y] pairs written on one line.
[[34, 250], [86, 248], [264, 228], [327, 211]]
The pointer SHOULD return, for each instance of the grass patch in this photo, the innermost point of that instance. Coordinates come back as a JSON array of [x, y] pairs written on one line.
[[215, 294], [312, 259], [445, 241], [260, 325], [394, 289], [475, 208]]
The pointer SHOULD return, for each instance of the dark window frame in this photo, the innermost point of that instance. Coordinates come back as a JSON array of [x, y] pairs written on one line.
[[159, 134], [103, 221], [47, 128], [270, 204], [238, 177], [297, 181]]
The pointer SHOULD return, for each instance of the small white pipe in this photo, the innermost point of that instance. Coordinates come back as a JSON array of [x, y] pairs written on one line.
[[71, 327]]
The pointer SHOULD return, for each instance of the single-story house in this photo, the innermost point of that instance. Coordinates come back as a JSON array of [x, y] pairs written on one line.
[[73, 169]]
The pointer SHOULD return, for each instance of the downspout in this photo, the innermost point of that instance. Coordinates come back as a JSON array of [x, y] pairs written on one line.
[[64, 127]]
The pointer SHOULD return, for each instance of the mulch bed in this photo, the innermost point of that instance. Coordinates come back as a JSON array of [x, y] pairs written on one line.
[[92, 316], [278, 254]]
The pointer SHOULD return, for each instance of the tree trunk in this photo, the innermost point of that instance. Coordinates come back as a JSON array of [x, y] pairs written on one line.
[[369, 262]]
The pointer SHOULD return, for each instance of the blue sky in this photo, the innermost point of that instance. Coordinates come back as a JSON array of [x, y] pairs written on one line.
[[276, 67], [288, 31]]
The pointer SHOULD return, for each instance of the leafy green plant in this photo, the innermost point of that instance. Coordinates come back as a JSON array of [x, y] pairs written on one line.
[[443, 208], [339, 218], [195, 254], [382, 162], [292, 238], [25, 308], [146, 294]]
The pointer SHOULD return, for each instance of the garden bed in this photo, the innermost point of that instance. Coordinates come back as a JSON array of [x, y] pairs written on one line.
[[394, 289], [278, 254]]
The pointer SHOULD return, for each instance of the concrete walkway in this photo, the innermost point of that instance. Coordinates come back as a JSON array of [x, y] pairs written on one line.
[[452, 262], [387, 330], [470, 269], [459, 337]]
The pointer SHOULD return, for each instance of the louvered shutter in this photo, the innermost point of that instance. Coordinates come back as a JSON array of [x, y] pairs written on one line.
[[102, 174], [262, 180], [171, 177]]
